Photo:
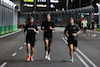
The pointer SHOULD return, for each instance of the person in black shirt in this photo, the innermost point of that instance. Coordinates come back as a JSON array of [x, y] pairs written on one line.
[[73, 31], [30, 31], [47, 26], [94, 27]]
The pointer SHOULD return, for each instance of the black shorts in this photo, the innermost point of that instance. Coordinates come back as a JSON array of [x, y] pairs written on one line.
[[73, 41], [30, 40], [84, 29], [50, 39]]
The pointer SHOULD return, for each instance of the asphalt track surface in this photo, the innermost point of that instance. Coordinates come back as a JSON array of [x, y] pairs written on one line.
[[13, 51]]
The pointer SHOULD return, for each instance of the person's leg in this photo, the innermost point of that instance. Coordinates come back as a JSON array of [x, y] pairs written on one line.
[[94, 32], [28, 51], [74, 50], [83, 31], [46, 49], [32, 52], [46, 45], [74, 46], [71, 50], [49, 49]]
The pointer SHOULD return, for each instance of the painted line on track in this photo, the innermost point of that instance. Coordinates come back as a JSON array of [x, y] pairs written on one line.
[[80, 53], [86, 65], [87, 58], [4, 64], [20, 48], [14, 54]]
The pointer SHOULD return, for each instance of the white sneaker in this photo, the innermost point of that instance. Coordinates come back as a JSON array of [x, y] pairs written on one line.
[[49, 57], [46, 55], [94, 35], [83, 34]]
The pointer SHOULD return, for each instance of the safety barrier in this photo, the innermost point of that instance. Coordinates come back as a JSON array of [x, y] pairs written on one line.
[[61, 17], [8, 17]]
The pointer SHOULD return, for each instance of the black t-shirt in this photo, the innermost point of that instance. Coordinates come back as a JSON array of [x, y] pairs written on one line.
[[71, 30], [92, 25], [45, 26], [30, 31]]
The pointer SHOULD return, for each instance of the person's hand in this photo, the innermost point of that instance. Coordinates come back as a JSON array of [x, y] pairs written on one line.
[[25, 33], [34, 29], [74, 34], [67, 35], [50, 28]]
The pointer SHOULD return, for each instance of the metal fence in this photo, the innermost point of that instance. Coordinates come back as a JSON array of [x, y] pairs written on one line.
[[8, 17], [61, 17]]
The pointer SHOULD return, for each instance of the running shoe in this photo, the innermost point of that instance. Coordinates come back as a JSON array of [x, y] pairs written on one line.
[[72, 60], [32, 59], [94, 35], [28, 58], [48, 57]]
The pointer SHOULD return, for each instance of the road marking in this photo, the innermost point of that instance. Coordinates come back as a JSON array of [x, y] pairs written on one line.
[[20, 48], [14, 54], [24, 43], [87, 58], [66, 38], [86, 65], [81, 54], [4, 64]]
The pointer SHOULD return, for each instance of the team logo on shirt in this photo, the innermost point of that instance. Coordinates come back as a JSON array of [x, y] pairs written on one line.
[[30, 28], [74, 27]]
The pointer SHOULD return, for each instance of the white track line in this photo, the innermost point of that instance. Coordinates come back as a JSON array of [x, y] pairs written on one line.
[[10, 33], [14, 54], [81, 54], [20, 48], [4, 64], [24, 43], [86, 65], [87, 58]]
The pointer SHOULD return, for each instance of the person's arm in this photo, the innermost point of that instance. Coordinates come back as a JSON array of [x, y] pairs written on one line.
[[82, 23], [52, 27], [36, 30], [90, 26], [78, 31], [78, 28], [67, 35], [25, 30], [42, 26]]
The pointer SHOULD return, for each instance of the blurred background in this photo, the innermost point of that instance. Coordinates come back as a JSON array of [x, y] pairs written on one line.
[[15, 13]]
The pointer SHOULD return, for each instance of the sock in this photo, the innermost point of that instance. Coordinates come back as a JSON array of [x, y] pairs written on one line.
[[28, 54], [46, 52]]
